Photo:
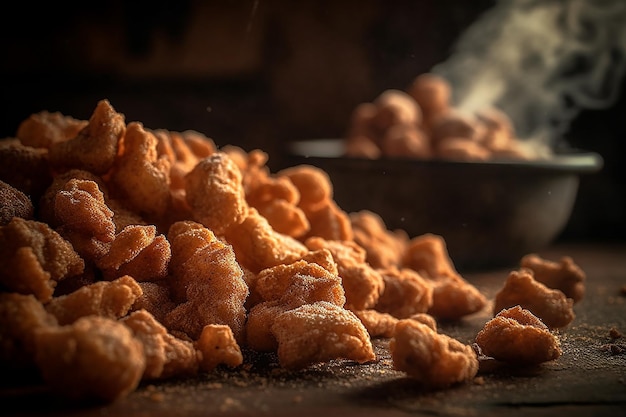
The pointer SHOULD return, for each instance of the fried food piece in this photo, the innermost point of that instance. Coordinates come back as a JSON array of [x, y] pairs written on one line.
[[550, 305], [111, 299], [14, 203], [405, 293], [206, 277], [378, 324], [21, 316], [33, 258], [319, 332], [362, 283], [166, 355], [395, 107], [428, 255], [330, 222], [155, 299], [25, 168], [455, 124], [435, 360], [215, 193], [94, 359], [95, 147], [261, 316], [361, 146], [432, 93], [462, 149], [384, 248], [84, 218], [564, 275], [517, 336], [313, 185], [44, 129], [140, 176], [139, 252], [406, 141], [258, 246], [217, 346]]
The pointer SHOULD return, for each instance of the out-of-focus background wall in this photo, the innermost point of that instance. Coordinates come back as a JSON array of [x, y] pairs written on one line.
[[258, 73]]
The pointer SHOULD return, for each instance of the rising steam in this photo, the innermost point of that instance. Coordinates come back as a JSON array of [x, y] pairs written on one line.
[[541, 62]]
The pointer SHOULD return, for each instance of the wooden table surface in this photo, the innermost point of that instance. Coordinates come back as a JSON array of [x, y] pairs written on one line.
[[589, 379]]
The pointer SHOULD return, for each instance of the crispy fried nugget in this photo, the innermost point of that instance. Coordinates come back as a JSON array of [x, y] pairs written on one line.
[[313, 184], [405, 293], [261, 316], [215, 193], [44, 129], [112, 299], [378, 324], [319, 332], [155, 299], [550, 305], [20, 317], [95, 147], [362, 283], [166, 355], [207, 278], [330, 222], [95, 358], [258, 246], [517, 336], [14, 203], [140, 176], [217, 346], [435, 360], [564, 275], [139, 252], [84, 218], [25, 168], [33, 258], [384, 248]]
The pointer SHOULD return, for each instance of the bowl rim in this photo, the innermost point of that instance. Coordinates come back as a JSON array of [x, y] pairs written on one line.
[[332, 149]]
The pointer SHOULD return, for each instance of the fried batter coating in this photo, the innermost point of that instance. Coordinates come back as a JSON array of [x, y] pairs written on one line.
[[155, 299], [111, 299], [84, 218], [405, 293], [406, 141], [215, 193], [435, 360], [14, 203], [217, 345], [319, 332], [313, 184], [44, 129], [33, 258], [166, 355], [139, 252], [21, 316], [428, 255], [432, 93], [140, 176], [550, 305], [395, 107], [25, 168], [259, 336], [462, 149], [564, 275], [330, 222], [377, 324], [362, 283], [517, 336], [384, 248], [95, 147], [94, 359], [207, 278], [258, 246]]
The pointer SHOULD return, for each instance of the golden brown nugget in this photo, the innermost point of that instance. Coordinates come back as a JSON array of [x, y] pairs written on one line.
[[461, 149], [362, 283], [14, 203], [33, 258], [166, 355], [95, 147], [330, 222], [361, 146], [215, 193], [261, 316], [20, 318], [395, 107], [405, 293], [455, 124], [320, 332], [406, 141], [44, 129], [111, 299], [139, 176], [435, 360], [550, 305], [217, 346], [428, 255], [377, 324], [25, 168], [384, 248], [432, 93], [517, 336], [94, 359], [564, 275], [155, 299], [313, 185]]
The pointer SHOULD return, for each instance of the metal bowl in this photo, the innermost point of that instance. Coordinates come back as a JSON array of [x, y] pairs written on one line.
[[489, 213]]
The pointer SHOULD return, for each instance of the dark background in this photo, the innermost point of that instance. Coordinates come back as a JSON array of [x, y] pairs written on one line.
[[260, 73]]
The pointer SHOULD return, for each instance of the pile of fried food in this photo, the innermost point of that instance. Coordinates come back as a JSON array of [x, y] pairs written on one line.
[[130, 254], [421, 122]]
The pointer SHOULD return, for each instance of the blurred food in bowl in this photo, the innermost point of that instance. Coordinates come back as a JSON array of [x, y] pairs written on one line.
[[489, 212]]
